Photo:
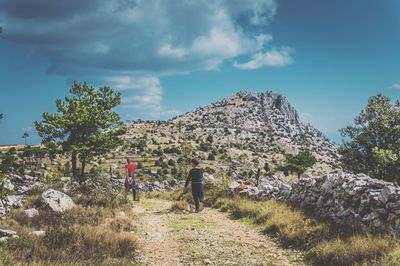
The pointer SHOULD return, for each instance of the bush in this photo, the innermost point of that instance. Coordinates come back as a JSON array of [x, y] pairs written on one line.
[[171, 162]]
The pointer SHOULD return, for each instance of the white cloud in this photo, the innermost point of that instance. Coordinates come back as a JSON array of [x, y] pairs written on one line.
[[167, 50], [273, 58], [395, 86], [132, 42]]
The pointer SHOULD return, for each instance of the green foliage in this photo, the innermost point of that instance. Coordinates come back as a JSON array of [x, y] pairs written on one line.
[[298, 163], [204, 147], [171, 162], [8, 161], [85, 124], [372, 144]]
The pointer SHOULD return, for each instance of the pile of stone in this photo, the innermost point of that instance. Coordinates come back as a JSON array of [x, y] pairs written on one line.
[[244, 188], [351, 199], [274, 187], [270, 187]]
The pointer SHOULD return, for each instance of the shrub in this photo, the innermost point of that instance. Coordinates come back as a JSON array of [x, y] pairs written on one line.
[[171, 162]]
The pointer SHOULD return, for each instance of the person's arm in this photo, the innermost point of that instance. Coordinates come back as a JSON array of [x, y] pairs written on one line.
[[189, 177]]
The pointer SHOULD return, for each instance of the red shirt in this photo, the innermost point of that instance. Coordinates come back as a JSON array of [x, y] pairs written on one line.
[[130, 167]]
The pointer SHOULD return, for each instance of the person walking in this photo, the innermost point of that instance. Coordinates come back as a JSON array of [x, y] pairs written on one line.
[[130, 182], [196, 176]]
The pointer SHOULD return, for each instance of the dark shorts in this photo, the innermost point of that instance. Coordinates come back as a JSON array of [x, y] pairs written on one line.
[[130, 182]]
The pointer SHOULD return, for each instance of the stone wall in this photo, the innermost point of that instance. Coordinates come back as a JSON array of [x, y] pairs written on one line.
[[351, 199], [341, 197]]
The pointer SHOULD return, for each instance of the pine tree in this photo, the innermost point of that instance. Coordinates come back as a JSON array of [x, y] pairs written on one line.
[[85, 124]]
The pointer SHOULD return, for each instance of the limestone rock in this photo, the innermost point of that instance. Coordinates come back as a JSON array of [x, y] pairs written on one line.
[[31, 212], [57, 201], [351, 199], [38, 233], [7, 234]]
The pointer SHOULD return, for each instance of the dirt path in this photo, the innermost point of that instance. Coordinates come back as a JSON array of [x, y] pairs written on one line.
[[206, 238]]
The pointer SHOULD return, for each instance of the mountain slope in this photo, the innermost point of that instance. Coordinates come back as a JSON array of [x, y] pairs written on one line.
[[263, 122], [234, 136]]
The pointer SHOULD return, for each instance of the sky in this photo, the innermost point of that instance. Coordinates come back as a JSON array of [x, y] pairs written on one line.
[[167, 57]]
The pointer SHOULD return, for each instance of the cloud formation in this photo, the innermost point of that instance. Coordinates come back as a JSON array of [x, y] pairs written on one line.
[[273, 58], [132, 43], [395, 86]]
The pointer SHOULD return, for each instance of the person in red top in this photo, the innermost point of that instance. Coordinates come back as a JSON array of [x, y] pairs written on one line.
[[130, 182]]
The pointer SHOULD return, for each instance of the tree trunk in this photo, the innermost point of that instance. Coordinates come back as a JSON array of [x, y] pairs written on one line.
[[73, 164], [83, 165]]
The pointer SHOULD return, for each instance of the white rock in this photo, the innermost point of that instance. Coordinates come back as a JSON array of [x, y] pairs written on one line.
[[57, 201], [38, 233], [31, 212], [14, 201], [7, 234]]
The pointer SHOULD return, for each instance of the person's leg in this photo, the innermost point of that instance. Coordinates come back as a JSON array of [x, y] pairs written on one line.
[[201, 193], [133, 193], [196, 198]]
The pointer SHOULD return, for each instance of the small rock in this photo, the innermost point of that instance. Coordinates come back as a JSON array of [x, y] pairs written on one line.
[[7, 234], [207, 262], [38, 233], [31, 212]]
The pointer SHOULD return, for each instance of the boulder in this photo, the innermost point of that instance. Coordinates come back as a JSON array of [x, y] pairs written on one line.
[[57, 201]]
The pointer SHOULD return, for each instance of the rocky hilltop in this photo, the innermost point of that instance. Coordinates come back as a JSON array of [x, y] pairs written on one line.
[[262, 122]]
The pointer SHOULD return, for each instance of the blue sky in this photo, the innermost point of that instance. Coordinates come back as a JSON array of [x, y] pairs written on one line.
[[168, 57]]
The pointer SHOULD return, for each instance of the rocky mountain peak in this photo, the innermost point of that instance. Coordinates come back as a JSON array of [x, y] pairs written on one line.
[[258, 119], [271, 100]]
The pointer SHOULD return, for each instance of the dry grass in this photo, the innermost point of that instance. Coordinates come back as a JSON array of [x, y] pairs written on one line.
[[84, 235], [358, 249], [122, 224], [180, 206]]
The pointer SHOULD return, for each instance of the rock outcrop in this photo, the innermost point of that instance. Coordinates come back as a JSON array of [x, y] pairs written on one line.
[[263, 122], [19, 186]]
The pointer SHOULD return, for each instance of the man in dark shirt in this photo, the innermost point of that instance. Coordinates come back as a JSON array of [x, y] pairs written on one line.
[[196, 178]]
